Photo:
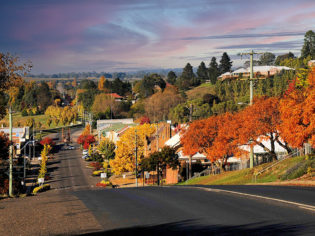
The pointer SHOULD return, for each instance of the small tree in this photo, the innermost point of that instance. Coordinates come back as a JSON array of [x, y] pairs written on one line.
[[107, 149], [159, 161]]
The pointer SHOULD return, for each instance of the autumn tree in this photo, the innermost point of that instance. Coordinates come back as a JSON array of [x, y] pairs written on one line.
[[209, 136], [125, 151], [260, 123], [101, 82], [157, 106], [297, 113], [86, 140], [4, 146], [11, 73], [103, 106]]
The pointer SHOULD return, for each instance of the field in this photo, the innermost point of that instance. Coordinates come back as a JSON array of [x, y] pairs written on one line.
[[201, 90], [21, 121], [297, 168]]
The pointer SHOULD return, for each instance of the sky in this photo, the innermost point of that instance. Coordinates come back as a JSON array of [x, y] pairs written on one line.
[[128, 35]]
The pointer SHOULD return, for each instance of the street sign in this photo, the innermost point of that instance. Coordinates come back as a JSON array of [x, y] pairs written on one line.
[[103, 175], [147, 175]]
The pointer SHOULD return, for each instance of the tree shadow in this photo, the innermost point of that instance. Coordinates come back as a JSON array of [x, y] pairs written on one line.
[[189, 227]]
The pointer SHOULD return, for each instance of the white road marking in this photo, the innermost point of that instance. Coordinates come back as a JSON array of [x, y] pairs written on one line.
[[300, 205]]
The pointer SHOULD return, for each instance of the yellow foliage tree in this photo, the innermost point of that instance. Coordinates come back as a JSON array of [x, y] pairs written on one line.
[[101, 82], [125, 151]]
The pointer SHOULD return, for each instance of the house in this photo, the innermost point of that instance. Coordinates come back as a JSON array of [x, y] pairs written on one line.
[[19, 136], [261, 72], [116, 96], [311, 63]]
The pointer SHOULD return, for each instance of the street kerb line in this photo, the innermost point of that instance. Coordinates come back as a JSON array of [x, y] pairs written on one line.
[[300, 205]]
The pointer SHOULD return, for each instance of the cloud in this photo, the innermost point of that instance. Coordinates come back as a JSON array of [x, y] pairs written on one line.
[[290, 45], [239, 36]]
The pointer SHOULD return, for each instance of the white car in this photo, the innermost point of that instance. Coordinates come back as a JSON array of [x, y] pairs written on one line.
[[85, 152], [85, 156]]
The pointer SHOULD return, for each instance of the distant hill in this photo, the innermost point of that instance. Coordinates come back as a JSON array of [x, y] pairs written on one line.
[[120, 75]]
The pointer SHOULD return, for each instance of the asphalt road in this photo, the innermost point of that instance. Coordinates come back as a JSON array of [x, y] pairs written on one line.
[[193, 211]]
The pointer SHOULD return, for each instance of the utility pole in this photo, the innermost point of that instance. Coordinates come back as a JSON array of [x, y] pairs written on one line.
[[10, 156], [136, 157], [251, 96]]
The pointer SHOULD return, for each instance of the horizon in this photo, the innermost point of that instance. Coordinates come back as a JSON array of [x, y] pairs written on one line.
[[128, 36]]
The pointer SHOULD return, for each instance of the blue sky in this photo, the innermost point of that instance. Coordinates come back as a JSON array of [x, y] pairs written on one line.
[[123, 35]]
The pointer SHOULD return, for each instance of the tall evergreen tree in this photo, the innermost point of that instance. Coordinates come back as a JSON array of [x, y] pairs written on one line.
[[225, 63], [308, 48], [171, 77], [213, 71], [188, 73], [202, 72]]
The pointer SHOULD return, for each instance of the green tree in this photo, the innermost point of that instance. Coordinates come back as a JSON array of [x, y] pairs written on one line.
[[171, 77], [87, 84], [213, 71], [87, 98], [280, 58], [159, 161], [225, 63], [187, 78], [267, 59], [308, 48], [107, 149], [148, 83], [43, 96], [202, 72]]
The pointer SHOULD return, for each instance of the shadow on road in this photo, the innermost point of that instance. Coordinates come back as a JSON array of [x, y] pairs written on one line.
[[189, 227]]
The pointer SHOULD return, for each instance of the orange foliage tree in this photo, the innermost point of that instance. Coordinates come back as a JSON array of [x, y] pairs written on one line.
[[214, 136], [297, 112], [260, 123]]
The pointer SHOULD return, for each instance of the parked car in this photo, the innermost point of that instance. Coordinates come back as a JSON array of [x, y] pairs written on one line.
[[85, 152], [85, 156]]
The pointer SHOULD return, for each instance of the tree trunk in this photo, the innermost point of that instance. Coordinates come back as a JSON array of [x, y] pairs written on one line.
[[190, 166]]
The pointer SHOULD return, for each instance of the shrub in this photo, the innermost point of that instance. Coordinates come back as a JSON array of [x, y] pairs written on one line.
[[97, 172], [41, 188], [96, 165], [24, 112]]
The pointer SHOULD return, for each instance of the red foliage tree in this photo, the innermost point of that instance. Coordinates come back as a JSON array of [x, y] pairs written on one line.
[[145, 120], [47, 141], [4, 146], [86, 140]]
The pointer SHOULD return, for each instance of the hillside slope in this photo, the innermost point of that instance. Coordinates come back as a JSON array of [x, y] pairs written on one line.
[[298, 168]]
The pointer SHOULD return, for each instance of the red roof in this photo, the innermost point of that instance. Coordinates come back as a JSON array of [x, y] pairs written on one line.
[[114, 95]]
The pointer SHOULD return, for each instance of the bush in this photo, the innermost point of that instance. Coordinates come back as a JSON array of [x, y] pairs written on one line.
[[24, 112], [97, 172], [41, 188]]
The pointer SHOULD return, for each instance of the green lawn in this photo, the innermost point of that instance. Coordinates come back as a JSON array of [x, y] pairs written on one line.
[[285, 170], [20, 121]]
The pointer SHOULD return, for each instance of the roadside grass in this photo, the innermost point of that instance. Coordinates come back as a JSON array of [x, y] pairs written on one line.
[[288, 169], [201, 90]]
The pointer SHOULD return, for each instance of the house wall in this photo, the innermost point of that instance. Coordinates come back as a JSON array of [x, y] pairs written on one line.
[[171, 176]]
